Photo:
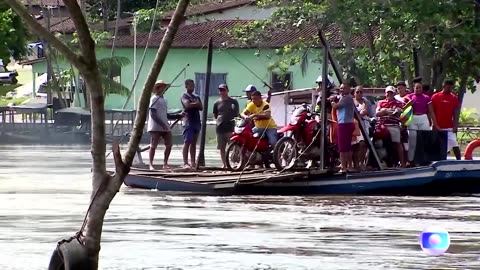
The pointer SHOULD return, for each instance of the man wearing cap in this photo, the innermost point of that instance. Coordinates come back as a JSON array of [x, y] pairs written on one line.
[[330, 87], [192, 105], [225, 109], [251, 88], [158, 123], [388, 111], [260, 112]]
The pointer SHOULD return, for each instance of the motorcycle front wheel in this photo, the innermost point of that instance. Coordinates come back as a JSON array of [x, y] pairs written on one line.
[[236, 158], [285, 153]]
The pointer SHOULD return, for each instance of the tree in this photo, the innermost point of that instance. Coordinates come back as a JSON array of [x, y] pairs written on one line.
[[12, 34], [443, 35], [105, 186]]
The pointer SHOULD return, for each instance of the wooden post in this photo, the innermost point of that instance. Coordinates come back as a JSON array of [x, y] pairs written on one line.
[[323, 111], [336, 69], [201, 152]]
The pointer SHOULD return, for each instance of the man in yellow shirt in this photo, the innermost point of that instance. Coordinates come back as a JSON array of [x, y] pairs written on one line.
[[259, 111]]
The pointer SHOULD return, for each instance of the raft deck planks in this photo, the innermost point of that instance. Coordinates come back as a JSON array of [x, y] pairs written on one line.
[[220, 178]]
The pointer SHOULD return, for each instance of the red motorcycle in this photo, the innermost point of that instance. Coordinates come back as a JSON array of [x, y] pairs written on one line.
[[301, 141], [245, 147]]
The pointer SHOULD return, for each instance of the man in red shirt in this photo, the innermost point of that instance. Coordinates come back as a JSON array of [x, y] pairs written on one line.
[[445, 103], [388, 111]]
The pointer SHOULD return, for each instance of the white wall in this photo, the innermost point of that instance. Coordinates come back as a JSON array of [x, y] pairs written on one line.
[[250, 12], [281, 112], [472, 101]]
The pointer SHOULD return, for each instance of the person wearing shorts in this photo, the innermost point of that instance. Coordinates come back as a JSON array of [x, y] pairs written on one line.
[[445, 103], [359, 143], [191, 106], [345, 112], [388, 111], [402, 96], [423, 115], [225, 109], [158, 124]]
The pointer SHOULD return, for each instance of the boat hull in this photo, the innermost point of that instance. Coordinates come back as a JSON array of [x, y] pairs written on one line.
[[441, 178]]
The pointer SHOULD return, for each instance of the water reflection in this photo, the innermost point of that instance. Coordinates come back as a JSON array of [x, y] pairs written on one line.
[[44, 193]]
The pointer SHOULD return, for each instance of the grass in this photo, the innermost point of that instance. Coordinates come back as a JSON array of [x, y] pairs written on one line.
[[4, 89], [17, 101], [24, 77]]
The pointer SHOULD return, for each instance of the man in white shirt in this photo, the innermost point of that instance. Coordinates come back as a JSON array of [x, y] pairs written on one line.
[[158, 126]]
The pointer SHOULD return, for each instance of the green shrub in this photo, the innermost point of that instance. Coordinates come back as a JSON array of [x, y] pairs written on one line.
[[468, 117]]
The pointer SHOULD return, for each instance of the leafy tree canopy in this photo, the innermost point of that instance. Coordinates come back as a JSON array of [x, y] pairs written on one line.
[[13, 35], [443, 34]]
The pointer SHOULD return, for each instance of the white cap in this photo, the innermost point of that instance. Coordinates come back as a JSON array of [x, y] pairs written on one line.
[[390, 89], [320, 79], [250, 88]]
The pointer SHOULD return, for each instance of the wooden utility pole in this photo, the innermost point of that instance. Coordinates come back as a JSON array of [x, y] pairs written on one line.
[[201, 152], [323, 110]]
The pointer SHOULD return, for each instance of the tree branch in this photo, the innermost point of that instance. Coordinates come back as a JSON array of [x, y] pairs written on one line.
[[39, 30], [117, 157], [86, 43]]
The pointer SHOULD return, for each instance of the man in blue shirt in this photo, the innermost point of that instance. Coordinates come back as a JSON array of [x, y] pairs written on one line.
[[345, 107], [192, 105]]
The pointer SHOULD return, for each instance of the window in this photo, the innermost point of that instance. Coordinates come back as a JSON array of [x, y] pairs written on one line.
[[281, 82], [215, 80], [115, 72]]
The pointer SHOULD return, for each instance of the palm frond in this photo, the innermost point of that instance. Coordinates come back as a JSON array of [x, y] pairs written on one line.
[[113, 87], [108, 67], [304, 63], [105, 64]]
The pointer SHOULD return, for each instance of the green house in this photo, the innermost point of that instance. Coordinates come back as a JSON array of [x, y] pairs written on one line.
[[234, 63]]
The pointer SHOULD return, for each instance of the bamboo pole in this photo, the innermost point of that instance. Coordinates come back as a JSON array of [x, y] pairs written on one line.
[[336, 69], [201, 152], [323, 111]]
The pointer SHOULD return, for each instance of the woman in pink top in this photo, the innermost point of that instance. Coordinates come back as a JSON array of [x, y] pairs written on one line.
[[423, 115]]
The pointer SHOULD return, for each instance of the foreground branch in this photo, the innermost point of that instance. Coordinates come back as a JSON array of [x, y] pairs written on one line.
[[38, 29], [87, 44]]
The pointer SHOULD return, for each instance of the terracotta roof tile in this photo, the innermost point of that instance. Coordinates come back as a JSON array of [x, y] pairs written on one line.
[[65, 25], [197, 35], [209, 7]]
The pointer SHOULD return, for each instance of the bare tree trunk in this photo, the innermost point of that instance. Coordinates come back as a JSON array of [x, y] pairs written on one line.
[[105, 15], [82, 5], [105, 186], [424, 66], [374, 55], [461, 94]]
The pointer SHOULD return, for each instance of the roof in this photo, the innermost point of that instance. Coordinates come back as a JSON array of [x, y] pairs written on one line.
[[33, 61], [66, 25], [209, 7], [58, 3], [53, 20], [197, 36]]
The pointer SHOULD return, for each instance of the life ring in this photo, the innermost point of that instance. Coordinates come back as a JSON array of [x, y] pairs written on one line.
[[469, 149], [70, 255]]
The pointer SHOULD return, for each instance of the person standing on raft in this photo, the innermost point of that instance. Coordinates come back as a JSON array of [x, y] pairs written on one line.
[[158, 123]]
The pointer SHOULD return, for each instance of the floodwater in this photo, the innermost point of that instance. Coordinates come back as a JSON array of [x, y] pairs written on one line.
[[44, 192]]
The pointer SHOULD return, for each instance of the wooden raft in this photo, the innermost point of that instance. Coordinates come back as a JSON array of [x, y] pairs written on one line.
[[223, 179]]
